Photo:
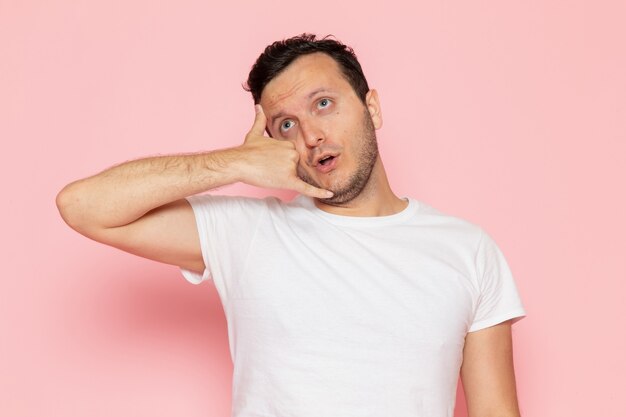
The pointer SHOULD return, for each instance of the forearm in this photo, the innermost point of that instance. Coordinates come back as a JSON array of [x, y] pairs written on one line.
[[124, 193]]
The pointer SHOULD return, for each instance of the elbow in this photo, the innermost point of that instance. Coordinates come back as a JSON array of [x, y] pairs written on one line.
[[63, 204], [68, 205]]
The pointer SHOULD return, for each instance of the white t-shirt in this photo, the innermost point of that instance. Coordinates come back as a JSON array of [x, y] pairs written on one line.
[[348, 316]]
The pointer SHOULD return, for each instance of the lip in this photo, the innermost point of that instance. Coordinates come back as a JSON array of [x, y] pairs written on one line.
[[317, 160], [329, 166]]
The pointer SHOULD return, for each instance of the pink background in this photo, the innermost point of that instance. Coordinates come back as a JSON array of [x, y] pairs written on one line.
[[509, 114]]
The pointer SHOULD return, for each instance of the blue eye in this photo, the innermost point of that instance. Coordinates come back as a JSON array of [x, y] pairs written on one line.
[[323, 103], [286, 125]]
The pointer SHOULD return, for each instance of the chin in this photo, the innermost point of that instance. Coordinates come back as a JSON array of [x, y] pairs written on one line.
[[342, 196], [345, 189]]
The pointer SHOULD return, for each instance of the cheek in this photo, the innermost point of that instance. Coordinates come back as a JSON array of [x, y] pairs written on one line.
[[347, 129], [345, 120]]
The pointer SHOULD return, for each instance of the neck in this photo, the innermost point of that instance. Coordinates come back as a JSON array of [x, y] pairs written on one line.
[[376, 198]]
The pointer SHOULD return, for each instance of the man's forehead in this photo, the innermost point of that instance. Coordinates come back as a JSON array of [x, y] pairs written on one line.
[[306, 76]]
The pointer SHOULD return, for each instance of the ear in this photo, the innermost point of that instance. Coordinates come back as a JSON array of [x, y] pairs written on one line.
[[373, 107]]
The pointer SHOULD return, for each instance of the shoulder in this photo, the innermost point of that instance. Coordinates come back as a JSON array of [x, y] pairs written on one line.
[[470, 239], [448, 225]]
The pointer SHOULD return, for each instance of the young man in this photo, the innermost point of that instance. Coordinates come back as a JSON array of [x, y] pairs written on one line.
[[346, 301]]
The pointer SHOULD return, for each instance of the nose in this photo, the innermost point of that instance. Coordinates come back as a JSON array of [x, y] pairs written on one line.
[[312, 134]]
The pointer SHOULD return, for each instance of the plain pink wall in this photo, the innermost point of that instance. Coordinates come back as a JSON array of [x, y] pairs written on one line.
[[509, 114]]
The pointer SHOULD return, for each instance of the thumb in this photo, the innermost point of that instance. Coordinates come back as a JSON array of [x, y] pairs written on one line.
[[259, 121], [310, 190]]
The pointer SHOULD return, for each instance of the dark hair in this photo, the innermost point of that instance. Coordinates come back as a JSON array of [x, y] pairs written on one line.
[[277, 56]]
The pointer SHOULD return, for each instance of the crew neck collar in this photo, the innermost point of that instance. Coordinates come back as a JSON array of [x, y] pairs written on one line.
[[360, 221]]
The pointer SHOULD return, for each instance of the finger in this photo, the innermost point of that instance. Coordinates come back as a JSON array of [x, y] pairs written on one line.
[[259, 121], [310, 190]]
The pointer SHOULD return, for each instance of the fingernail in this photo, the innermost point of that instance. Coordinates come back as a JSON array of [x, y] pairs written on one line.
[[257, 108]]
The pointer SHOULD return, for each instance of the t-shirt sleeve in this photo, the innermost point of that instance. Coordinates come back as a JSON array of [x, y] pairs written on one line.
[[226, 226], [498, 298], [199, 206]]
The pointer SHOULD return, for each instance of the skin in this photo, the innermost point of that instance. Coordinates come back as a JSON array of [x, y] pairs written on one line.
[[139, 206], [488, 374], [326, 115], [367, 153]]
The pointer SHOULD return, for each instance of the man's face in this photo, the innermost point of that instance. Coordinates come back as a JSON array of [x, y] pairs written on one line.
[[312, 105]]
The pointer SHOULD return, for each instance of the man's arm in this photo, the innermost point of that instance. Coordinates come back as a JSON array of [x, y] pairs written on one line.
[[140, 207], [487, 373]]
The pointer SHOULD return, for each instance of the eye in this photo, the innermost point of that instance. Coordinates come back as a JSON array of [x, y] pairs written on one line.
[[323, 103], [286, 125]]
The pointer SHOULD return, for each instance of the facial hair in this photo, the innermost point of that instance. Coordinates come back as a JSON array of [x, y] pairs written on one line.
[[367, 153]]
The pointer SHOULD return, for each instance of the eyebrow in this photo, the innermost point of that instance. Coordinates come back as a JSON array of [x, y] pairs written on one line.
[[311, 95]]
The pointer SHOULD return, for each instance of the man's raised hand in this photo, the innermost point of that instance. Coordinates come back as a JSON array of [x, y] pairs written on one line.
[[271, 163]]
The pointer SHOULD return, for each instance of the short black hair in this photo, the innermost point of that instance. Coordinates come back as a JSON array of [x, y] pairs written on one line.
[[277, 56]]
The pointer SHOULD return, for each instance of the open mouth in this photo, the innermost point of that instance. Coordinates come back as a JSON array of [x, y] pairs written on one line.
[[326, 160], [327, 163]]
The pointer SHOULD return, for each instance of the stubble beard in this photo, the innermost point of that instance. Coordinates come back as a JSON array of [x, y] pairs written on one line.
[[356, 183]]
